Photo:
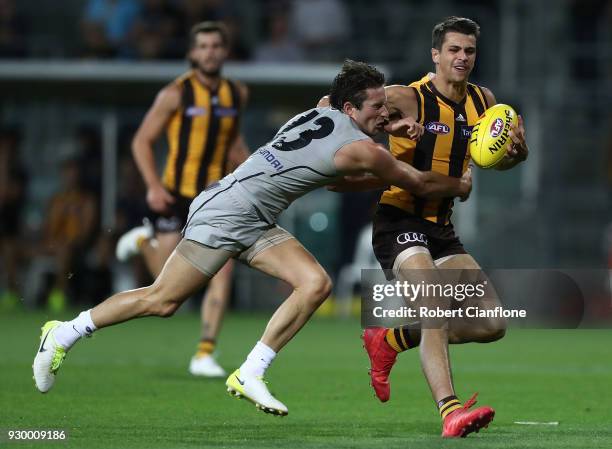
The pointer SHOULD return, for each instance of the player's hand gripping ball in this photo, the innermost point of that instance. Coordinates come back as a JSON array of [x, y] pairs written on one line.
[[490, 140]]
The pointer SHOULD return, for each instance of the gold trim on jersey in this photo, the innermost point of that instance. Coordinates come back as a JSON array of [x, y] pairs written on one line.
[[443, 148]]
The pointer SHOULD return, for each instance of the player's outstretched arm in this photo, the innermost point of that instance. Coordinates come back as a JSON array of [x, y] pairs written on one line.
[[166, 103], [358, 183], [399, 125], [367, 156]]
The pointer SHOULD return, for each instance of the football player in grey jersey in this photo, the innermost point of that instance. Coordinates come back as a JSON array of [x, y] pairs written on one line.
[[235, 218]]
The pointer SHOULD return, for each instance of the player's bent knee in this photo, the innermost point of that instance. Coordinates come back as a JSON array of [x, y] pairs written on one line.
[[497, 334], [318, 286], [167, 309], [158, 301], [495, 330]]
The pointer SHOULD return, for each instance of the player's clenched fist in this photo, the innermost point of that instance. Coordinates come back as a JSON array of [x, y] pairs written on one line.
[[405, 127]]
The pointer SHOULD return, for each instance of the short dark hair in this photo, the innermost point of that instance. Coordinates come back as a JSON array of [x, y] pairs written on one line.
[[351, 83], [461, 25], [208, 27]]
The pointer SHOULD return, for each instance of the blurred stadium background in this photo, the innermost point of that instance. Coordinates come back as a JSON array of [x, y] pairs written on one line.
[[76, 84], [73, 89]]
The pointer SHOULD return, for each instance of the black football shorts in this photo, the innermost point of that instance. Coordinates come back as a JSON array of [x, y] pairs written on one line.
[[396, 230]]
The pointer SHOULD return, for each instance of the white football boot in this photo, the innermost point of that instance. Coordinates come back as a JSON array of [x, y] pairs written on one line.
[[206, 366], [49, 357], [129, 243], [255, 390]]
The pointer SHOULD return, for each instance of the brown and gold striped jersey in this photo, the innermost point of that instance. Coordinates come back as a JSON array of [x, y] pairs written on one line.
[[199, 135], [443, 147]]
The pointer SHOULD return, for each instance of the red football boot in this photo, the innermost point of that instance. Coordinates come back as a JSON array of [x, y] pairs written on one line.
[[463, 421], [382, 358]]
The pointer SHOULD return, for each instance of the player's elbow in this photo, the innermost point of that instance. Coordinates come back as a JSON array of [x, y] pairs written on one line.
[[395, 175], [421, 188], [139, 144], [136, 144]]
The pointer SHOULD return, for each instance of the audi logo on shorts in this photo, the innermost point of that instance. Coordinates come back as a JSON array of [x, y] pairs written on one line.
[[168, 224], [411, 237]]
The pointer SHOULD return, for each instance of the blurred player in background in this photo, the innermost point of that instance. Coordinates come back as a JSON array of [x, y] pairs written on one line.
[[447, 105], [236, 218], [69, 231], [13, 181], [200, 112]]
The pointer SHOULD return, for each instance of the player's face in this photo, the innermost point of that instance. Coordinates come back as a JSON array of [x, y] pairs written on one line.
[[455, 60], [208, 53], [373, 115]]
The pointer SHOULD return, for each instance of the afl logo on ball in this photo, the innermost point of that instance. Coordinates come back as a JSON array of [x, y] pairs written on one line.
[[497, 127], [437, 128]]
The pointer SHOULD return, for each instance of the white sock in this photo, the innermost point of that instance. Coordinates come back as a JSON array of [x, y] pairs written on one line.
[[69, 332], [258, 360]]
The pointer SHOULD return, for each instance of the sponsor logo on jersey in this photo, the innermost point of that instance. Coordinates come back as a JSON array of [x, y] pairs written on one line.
[[225, 112], [268, 156], [497, 127], [193, 111], [466, 131], [460, 118], [411, 237], [437, 128]]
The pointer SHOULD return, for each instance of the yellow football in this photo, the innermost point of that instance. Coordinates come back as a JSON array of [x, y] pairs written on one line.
[[490, 140]]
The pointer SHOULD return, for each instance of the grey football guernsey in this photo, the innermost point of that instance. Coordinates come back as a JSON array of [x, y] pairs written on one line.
[[232, 213]]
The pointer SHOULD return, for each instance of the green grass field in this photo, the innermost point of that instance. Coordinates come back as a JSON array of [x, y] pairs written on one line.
[[128, 387]]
